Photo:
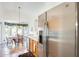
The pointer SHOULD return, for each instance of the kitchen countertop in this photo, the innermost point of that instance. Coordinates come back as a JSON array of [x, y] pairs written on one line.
[[33, 37]]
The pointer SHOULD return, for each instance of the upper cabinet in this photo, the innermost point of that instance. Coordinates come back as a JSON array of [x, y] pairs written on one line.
[[41, 20]]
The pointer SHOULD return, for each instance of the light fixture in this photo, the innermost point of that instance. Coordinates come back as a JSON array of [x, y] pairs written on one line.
[[19, 18], [19, 15]]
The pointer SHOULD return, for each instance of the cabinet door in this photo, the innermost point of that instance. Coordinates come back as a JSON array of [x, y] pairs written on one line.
[[30, 45], [41, 20], [33, 46], [40, 50]]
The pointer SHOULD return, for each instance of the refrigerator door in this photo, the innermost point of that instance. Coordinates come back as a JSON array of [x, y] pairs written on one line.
[[43, 27], [61, 27]]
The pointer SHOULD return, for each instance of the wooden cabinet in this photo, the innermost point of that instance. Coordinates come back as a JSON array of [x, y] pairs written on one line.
[[30, 45], [33, 46], [41, 20], [40, 50]]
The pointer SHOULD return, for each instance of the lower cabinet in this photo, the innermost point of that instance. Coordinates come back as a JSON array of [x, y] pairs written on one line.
[[40, 50], [33, 46]]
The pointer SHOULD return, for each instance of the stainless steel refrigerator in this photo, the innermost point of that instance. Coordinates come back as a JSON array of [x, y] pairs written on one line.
[[61, 30]]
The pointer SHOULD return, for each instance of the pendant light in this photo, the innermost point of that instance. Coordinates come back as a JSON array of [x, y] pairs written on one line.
[[19, 15]]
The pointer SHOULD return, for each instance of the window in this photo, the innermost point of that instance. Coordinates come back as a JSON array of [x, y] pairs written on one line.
[[12, 29]]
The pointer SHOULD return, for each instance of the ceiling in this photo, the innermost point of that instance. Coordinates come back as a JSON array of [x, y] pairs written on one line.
[[29, 10]]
